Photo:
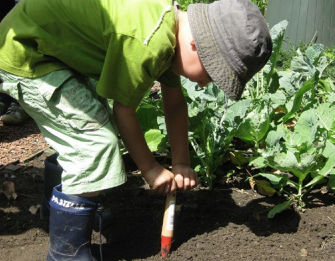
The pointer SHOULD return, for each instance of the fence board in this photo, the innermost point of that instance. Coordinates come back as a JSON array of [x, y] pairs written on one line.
[[307, 18]]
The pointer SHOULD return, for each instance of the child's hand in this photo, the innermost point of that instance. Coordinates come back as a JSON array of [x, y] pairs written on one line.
[[185, 177], [160, 179]]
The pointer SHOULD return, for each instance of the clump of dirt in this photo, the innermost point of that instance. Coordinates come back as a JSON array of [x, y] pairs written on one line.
[[227, 223]]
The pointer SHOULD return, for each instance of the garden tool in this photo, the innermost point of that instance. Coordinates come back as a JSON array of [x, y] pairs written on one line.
[[168, 223]]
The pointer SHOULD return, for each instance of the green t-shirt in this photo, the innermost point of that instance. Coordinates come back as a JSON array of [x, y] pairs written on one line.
[[124, 44]]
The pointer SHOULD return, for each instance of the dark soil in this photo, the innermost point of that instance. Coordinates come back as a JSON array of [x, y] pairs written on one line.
[[228, 223]]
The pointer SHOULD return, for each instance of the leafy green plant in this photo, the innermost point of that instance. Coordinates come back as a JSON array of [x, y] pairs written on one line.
[[150, 114], [300, 150], [262, 88], [304, 152], [330, 53], [262, 5], [301, 82], [288, 114], [256, 124], [267, 80], [213, 123]]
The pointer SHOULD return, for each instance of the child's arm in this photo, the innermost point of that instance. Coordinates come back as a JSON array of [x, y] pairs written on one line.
[[176, 118], [159, 178]]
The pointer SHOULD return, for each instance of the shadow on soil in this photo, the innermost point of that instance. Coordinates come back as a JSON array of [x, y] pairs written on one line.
[[12, 133], [138, 214]]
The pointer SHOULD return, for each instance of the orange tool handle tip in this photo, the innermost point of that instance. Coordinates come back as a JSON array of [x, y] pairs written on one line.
[[166, 243]]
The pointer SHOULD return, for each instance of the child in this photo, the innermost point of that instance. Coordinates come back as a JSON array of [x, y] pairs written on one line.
[[50, 49]]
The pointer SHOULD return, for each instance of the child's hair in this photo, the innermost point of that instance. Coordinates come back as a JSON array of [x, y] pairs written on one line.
[[233, 41]]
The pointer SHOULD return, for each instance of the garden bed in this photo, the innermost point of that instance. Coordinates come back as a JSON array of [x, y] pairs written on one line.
[[227, 223]]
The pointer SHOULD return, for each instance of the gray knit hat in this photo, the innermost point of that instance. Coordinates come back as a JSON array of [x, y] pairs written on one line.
[[232, 40]]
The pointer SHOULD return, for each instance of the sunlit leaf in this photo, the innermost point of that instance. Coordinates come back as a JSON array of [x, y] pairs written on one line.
[[279, 208]]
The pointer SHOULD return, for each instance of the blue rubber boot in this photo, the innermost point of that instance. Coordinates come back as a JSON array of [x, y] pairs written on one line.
[[52, 177], [70, 229]]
